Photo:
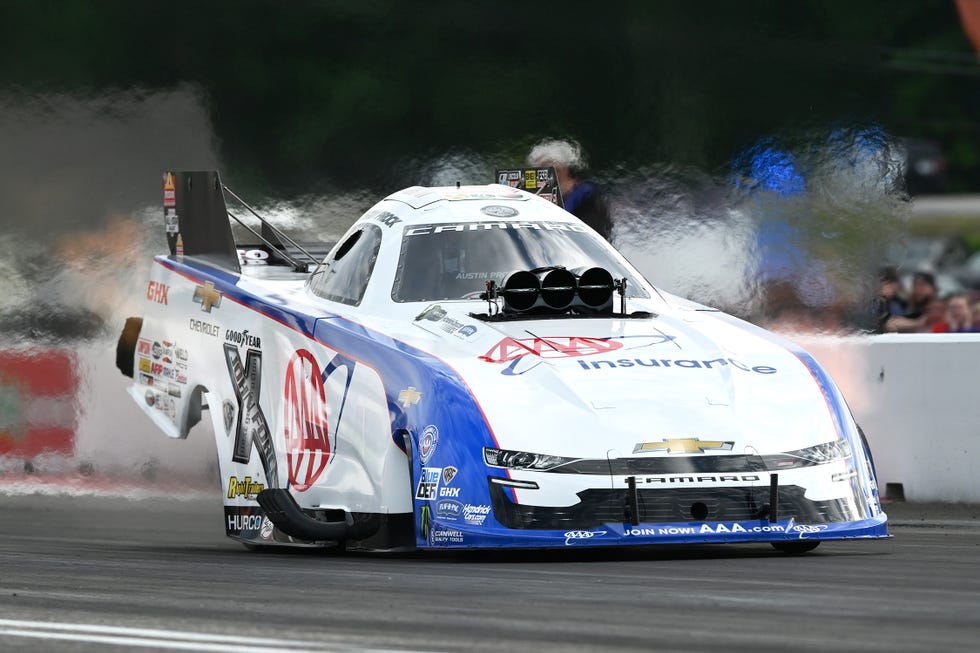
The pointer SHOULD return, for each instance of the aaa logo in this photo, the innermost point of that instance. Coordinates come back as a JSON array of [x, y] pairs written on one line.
[[305, 419], [510, 349]]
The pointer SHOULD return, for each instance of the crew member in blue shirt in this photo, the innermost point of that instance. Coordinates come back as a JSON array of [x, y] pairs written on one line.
[[580, 197]]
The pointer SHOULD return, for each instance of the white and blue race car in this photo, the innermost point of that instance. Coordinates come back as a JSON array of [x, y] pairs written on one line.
[[474, 367]]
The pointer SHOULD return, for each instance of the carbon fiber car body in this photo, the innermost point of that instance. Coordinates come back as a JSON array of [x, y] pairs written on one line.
[[351, 404]]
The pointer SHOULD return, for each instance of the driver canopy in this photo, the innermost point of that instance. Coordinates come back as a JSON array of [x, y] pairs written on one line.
[[448, 261]]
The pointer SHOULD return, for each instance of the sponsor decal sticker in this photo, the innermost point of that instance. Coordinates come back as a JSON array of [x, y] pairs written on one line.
[[207, 297], [679, 480], [253, 257], [475, 515], [433, 314], [245, 522], [510, 349], [157, 292], [150, 397], [683, 363], [803, 531], [267, 530], [169, 190], [456, 328], [425, 230], [243, 338], [228, 412], [426, 490], [425, 519], [246, 380], [449, 492], [143, 347], [245, 488], [444, 323], [206, 328], [684, 445], [427, 443], [165, 405], [386, 218], [577, 536], [145, 365], [305, 420], [449, 509], [409, 397], [446, 535], [170, 219], [448, 474], [497, 211]]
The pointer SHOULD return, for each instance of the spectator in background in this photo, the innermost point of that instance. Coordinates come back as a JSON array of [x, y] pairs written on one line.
[[580, 197], [933, 319], [976, 316], [890, 302], [958, 318], [914, 320]]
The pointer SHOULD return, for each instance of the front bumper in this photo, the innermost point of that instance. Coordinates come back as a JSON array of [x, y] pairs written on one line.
[[597, 507], [604, 517]]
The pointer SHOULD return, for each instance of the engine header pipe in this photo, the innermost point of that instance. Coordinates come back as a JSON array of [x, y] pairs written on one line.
[[520, 291]]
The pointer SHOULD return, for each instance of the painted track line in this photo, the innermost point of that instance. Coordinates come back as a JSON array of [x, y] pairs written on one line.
[[171, 639]]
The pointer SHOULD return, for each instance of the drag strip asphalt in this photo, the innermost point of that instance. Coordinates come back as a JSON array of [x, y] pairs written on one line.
[[93, 574]]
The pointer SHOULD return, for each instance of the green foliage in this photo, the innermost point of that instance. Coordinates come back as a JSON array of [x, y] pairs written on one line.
[[308, 91]]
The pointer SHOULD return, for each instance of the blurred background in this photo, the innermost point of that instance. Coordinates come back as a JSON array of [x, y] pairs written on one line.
[[764, 157]]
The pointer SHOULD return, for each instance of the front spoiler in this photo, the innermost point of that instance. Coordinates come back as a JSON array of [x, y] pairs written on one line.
[[443, 535]]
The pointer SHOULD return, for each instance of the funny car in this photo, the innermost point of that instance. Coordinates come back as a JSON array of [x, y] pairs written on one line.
[[474, 367]]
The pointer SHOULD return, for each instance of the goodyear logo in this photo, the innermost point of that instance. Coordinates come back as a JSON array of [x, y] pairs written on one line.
[[684, 445]]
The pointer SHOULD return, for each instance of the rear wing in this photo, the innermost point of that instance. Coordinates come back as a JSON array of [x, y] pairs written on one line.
[[198, 224]]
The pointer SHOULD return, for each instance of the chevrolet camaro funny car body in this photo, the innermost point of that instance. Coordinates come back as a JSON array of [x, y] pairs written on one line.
[[476, 368]]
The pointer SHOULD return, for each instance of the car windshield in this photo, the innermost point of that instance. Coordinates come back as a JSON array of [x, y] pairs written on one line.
[[455, 261]]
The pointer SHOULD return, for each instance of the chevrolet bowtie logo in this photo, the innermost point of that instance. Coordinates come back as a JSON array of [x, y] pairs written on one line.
[[683, 445], [207, 296], [409, 397]]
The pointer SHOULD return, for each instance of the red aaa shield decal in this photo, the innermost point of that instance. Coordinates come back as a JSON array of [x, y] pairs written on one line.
[[553, 347], [305, 419]]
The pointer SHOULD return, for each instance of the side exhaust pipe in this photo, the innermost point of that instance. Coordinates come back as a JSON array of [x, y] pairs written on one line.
[[280, 506]]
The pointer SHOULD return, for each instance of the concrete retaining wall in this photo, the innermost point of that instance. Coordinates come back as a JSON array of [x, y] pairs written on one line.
[[917, 397]]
